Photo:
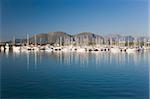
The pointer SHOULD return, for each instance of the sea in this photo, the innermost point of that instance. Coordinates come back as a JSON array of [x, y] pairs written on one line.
[[74, 75]]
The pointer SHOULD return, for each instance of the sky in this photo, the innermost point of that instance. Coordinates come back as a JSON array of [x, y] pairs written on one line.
[[19, 17]]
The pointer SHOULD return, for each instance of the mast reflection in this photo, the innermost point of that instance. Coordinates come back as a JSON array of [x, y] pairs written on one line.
[[101, 58]]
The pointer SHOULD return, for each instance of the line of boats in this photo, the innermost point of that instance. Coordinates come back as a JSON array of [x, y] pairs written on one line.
[[114, 48], [71, 48]]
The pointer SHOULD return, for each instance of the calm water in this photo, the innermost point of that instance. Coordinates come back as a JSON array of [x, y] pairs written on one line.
[[60, 75]]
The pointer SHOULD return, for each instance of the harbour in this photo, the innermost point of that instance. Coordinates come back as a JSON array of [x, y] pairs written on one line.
[[76, 70], [83, 42], [75, 49]]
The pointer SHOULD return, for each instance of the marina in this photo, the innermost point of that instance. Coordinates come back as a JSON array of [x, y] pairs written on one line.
[[72, 48], [77, 69], [82, 42], [75, 49]]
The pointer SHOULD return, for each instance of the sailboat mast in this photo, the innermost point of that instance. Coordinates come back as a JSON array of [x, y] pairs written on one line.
[[60, 41], [14, 42], [135, 42], [35, 40], [145, 42], [27, 39], [128, 42]]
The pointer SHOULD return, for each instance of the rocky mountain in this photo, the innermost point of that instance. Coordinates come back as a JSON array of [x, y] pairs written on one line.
[[62, 37], [88, 34], [58, 37]]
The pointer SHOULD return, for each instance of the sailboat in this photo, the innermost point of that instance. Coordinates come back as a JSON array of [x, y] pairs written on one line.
[[14, 47], [80, 49], [145, 47], [35, 48], [68, 47], [7, 47], [2, 48], [48, 48], [115, 49], [130, 49], [27, 47]]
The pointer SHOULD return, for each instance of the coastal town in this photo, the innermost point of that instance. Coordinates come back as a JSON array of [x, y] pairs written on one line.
[[82, 42]]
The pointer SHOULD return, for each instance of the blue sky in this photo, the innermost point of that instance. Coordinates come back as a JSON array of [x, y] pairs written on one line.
[[20, 17]]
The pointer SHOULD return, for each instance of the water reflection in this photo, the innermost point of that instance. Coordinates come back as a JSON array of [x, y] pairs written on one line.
[[102, 73], [35, 60], [97, 57], [100, 58], [28, 60], [83, 59]]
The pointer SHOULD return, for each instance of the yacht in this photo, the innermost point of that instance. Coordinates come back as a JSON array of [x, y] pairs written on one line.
[[57, 48], [2, 48], [131, 50], [7, 47], [16, 48], [36, 48], [48, 48], [115, 49], [66, 49], [80, 49]]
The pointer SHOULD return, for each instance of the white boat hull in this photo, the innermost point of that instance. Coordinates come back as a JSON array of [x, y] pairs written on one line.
[[115, 50], [129, 50]]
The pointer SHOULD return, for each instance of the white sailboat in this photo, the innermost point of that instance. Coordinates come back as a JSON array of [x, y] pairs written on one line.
[[48, 48], [130, 49], [2, 48], [66, 49], [115, 49], [7, 47], [80, 49], [35, 47], [15, 48], [145, 47], [27, 47]]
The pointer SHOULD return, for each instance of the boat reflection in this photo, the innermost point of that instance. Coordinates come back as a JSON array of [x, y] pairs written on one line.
[[83, 60], [100, 58]]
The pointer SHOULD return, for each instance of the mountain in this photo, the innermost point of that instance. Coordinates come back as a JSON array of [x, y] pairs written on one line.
[[85, 38], [40, 38], [55, 37]]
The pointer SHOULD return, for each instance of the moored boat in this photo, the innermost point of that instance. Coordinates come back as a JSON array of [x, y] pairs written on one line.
[[115, 50], [131, 50], [7, 47]]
